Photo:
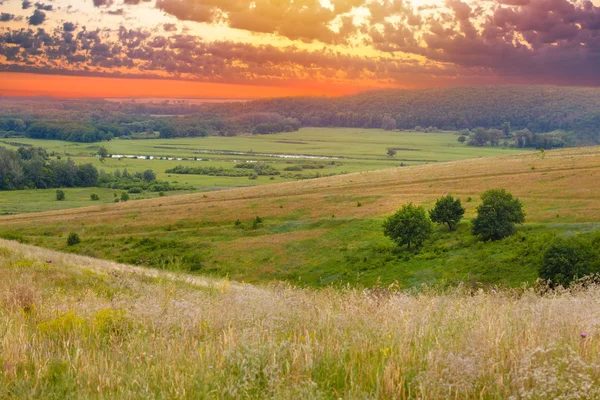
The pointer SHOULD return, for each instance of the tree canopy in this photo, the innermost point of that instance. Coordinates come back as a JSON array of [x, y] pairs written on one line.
[[447, 210], [409, 225], [567, 259], [497, 215]]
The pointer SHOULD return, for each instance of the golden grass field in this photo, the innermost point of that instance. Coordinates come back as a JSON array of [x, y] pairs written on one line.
[[84, 328]]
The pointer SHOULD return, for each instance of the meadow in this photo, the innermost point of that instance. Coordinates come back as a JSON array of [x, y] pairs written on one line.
[[338, 150], [76, 327], [325, 232]]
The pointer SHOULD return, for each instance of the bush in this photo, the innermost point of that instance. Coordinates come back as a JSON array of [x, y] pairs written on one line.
[[258, 220], [124, 196], [447, 210], [497, 215], [135, 190], [73, 239], [94, 197], [409, 225], [567, 259], [60, 195], [149, 175]]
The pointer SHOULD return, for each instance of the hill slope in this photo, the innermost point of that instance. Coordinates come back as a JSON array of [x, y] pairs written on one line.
[[83, 328], [539, 108], [313, 232]]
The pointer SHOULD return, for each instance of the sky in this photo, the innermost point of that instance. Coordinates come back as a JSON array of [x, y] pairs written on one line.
[[273, 48]]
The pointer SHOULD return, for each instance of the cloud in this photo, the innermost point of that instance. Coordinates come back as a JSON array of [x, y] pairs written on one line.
[[454, 42], [44, 7], [5, 17], [68, 27], [37, 18], [552, 41], [306, 20], [138, 53]]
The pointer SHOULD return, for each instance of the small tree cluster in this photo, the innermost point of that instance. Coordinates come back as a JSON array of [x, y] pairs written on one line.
[[496, 218]]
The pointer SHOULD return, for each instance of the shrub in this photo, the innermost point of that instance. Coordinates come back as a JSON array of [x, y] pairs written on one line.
[[149, 175], [161, 194], [258, 220], [60, 195], [135, 189], [497, 215], [409, 225], [94, 197], [567, 259], [73, 239], [124, 196], [447, 210]]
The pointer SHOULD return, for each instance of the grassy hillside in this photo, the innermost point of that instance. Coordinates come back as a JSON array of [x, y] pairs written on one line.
[[314, 232], [74, 327], [344, 151]]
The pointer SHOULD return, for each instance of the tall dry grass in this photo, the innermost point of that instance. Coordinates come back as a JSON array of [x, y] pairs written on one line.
[[80, 328]]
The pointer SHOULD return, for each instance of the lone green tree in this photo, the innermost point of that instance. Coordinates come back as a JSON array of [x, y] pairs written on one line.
[[102, 153], [497, 215], [447, 210], [60, 195], [567, 259], [409, 225], [391, 152], [73, 239]]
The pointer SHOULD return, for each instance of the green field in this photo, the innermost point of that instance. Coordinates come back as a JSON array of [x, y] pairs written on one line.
[[314, 232], [37, 200], [352, 150]]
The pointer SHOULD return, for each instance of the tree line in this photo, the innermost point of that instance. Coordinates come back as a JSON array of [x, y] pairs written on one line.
[[32, 168], [539, 109], [530, 110], [97, 121]]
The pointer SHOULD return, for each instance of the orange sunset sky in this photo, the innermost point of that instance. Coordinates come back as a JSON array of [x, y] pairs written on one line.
[[271, 48]]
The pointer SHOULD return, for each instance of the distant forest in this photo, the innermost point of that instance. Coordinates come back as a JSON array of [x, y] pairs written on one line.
[[529, 110], [540, 109], [90, 121]]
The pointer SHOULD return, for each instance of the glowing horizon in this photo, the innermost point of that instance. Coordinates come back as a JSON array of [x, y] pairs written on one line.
[[257, 48]]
